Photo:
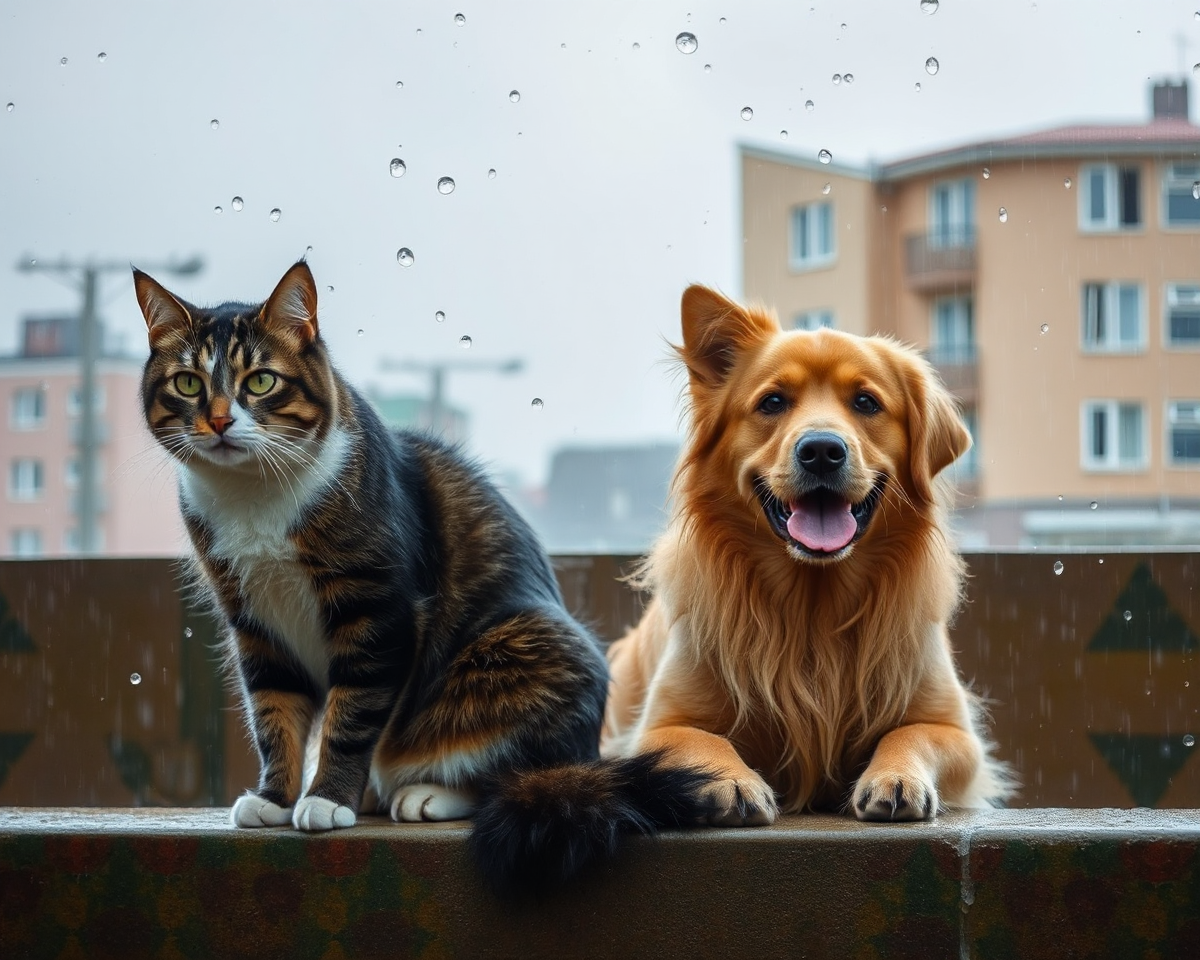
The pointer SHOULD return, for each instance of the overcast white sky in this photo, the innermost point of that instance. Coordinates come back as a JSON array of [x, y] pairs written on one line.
[[616, 179]]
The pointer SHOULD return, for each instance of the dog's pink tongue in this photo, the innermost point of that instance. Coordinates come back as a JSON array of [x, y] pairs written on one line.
[[823, 524]]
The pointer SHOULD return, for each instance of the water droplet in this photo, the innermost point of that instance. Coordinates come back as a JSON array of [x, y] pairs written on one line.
[[1196, 69], [308, 250], [987, 173], [1058, 568], [187, 631], [1189, 740], [1067, 182], [360, 331], [134, 678], [917, 87], [440, 316], [405, 257], [215, 124], [825, 189], [10, 106], [686, 42], [537, 403], [849, 77], [397, 167], [217, 210], [708, 68], [782, 134], [399, 84], [514, 96], [1003, 215], [63, 61], [445, 185], [418, 31], [237, 203], [1060, 498], [459, 19], [330, 288], [931, 66], [275, 213], [1196, 190], [721, 21], [929, 7], [636, 45], [825, 156], [1128, 615], [1094, 505], [747, 113], [809, 106], [837, 78], [465, 342], [492, 173], [1045, 328], [102, 56]]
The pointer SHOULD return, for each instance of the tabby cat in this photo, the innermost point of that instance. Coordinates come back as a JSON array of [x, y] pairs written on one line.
[[389, 614]]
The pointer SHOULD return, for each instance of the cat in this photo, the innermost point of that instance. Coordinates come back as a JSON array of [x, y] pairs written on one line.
[[387, 610]]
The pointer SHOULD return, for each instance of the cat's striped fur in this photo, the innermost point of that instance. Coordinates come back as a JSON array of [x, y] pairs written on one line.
[[387, 609]]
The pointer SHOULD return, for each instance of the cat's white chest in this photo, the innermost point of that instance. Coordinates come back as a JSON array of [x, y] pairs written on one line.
[[251, 525]]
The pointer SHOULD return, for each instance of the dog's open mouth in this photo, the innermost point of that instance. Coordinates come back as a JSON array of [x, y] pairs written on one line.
[[821, 523]]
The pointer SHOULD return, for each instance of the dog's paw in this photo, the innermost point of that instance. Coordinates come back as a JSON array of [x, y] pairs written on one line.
[[317, 813], [251, 810], [893, 796], [430, 801], [744, 801]]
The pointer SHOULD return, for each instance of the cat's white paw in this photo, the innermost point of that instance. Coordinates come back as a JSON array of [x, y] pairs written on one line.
[[252, 810], [430, 801], [317, 813]]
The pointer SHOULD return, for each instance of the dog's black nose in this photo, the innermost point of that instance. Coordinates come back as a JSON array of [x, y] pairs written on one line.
[[821, 453]]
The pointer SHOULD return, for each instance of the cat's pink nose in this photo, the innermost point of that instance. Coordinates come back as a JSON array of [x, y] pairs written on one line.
[[220, 423]]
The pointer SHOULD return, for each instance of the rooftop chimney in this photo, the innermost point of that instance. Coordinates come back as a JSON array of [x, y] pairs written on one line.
[[1171, 100]]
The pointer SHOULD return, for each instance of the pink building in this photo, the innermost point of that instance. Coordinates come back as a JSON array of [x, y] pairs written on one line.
[[39, 434]]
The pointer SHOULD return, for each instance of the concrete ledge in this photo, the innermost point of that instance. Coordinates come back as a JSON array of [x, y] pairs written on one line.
[[1013, 883]]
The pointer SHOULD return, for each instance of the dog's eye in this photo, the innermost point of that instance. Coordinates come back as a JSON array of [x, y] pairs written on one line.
[[771, 403], [865, 403]]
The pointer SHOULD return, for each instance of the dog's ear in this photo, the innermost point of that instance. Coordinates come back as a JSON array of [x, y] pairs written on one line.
[[715, 331], [936, 432]]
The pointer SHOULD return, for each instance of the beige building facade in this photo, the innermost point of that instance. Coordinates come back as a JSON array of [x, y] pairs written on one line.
[[1054, 281]]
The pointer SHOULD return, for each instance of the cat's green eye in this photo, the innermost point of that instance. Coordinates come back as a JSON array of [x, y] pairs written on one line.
[[188, 384], [260, 383]]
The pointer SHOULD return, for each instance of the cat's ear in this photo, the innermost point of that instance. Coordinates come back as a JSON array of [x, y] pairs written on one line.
[[166, 315], [291, 309]]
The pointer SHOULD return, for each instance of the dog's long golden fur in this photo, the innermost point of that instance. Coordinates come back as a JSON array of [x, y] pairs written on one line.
[[796, 642]]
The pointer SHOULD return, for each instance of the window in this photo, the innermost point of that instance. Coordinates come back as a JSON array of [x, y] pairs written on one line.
[[1108, 198], [812, 235], [26, 480], [1181, 205], [953, 335], [75, 400], [1113, 435], [28, 408], [25, 543], [1183, 437], [813, 319], [1112, 317], [952, 214], [1183, 315]]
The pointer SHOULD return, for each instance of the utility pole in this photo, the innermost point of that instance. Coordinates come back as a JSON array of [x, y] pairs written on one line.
[[85, 278], [437, 371]]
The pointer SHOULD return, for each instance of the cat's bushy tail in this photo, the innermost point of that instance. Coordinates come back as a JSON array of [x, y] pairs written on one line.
[[537, 828]]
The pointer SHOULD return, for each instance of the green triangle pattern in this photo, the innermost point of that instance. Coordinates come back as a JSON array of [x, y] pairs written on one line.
[[12, 745], [1144, 763], [13, 638], [1152, 626]]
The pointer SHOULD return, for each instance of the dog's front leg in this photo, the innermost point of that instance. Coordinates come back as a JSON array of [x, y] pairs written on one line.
[[911, 765]]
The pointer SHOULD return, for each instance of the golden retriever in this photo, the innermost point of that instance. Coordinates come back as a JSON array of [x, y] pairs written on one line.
[[796, 642]]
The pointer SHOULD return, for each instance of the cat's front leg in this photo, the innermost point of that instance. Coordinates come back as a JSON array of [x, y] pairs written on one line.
[[280, 703], [353, 720]]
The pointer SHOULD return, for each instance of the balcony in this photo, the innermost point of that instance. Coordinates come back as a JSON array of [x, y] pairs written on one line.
[[940, 260], [958, 366]]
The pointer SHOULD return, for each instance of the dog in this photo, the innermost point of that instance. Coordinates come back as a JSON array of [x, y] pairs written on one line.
[[796, 642]]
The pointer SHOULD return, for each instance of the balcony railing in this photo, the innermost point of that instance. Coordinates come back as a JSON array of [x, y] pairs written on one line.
[[940, 260], [958, 366]]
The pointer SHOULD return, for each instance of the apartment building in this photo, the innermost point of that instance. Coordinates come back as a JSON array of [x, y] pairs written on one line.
[[1054, 281], [40, 406]]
